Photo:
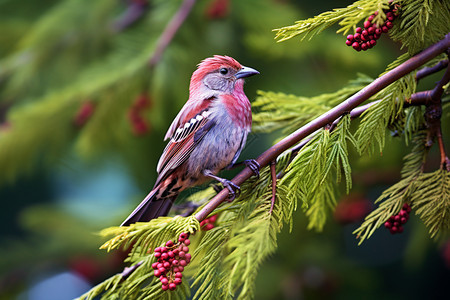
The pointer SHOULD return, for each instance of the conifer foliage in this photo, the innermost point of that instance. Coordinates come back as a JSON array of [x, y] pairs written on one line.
[[309, 169]]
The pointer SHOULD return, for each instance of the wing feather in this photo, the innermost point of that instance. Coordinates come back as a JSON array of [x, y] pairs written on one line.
[[182, 143]]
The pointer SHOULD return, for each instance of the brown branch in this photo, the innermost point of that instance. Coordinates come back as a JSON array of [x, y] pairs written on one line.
[[431, 70], [170, 31], [273, 174], [433, 115], [134, 11], [377, 85]]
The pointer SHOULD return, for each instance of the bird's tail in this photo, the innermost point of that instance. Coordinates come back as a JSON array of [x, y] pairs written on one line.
[[151, 208]]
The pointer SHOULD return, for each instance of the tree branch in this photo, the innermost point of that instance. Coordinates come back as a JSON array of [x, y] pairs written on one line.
[[431, 70], [170, 30], [377, 85], [433, 115]]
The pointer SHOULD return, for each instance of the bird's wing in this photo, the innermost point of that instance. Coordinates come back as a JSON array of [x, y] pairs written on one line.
[[183, 142]]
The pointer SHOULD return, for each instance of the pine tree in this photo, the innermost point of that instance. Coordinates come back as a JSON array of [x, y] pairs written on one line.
[[310, 166]]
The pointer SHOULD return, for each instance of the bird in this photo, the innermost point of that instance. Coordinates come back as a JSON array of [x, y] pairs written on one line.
[[206, 136]]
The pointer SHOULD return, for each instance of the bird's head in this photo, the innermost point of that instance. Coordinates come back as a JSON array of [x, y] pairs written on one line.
[[219, 75]]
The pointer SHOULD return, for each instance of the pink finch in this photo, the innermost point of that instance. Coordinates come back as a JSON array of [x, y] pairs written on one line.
[[207, 135]]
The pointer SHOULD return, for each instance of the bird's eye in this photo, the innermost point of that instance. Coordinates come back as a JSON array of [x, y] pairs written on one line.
[[223, 71]]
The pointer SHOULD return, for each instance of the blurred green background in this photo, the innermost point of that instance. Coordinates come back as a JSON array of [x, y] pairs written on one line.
[[82, 120]]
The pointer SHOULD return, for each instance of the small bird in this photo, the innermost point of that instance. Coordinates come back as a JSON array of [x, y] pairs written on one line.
[[206, 136]]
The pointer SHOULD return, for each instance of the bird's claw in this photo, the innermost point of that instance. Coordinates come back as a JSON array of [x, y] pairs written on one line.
[[253, 165], [233, 189]]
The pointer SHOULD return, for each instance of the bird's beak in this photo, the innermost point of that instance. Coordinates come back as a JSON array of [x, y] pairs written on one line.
[[245, 72]]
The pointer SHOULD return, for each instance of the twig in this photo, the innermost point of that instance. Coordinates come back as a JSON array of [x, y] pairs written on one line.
[[273, 174], [135, 10], [433, 115], [378, 84], [431, 70], [129, 270], [170, 30]]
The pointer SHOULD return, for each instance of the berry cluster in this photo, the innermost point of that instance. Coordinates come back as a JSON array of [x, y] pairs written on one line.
[[171, 262], [84, 113], [208, 224], [395, 223], [365, 38], [138, 123]]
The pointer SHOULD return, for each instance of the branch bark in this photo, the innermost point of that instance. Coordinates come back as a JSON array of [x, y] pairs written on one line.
[[170, 31], [377, 85]]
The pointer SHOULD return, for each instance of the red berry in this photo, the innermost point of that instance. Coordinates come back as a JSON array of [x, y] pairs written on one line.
[[400, 229], [155, 265], [357, 36], [187, 243], [163, 249], [378, 31], [370, 18], [388, 225], [185, 249], [176, 269], [183, 263], [165, 287], [158, 249], [356, 46], [363, 46], [396, 218], [184, 235], [84, 113], [177, 281], [141, 102], [211, 226], [172, 286], [175, 251], [213, 218], [157, 273], [375, 13], [403, 220], [367, 24], [188, 256], [162, 270], [373, 42], [358, 30], [178, 275], [204, 221], [159, 265], [350, 38], [389, 24], [348, 43], [157, 254], [175, 262], [166, 265], [180, 269], [164, 281], [364, 38], [171, 254], [394, 230], [384, 29], [396, 224], [181, 254], [169, 244]]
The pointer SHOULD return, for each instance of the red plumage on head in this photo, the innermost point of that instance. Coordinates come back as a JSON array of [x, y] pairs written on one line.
[[213, 63]]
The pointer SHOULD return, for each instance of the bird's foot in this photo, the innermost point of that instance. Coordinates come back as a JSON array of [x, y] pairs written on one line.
[[253, 165], [233, 189]]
